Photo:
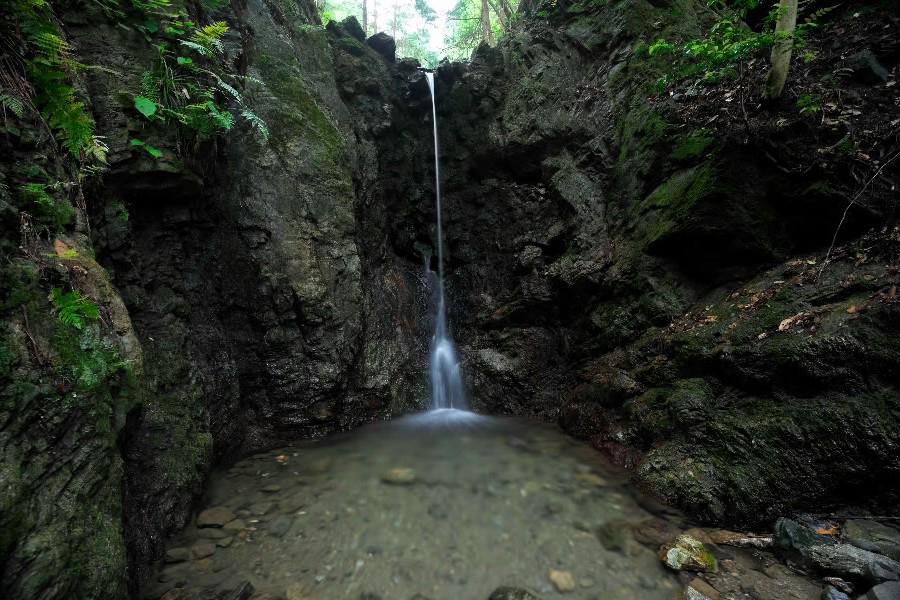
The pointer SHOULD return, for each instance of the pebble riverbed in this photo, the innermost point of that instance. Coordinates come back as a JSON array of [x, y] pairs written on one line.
[[446, 505]]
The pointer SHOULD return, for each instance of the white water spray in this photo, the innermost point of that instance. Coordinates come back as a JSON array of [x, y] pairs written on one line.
[[446, 377]]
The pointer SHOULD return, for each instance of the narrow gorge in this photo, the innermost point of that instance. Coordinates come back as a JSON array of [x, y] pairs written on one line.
[[226, 296]]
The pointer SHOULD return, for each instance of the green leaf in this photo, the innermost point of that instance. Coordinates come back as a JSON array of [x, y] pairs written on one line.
[[183, 60], [154, 152], [151, 26], [145, 106]]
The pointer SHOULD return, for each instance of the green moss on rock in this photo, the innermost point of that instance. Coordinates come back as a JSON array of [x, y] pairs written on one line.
[[763, 456], [692, 146]]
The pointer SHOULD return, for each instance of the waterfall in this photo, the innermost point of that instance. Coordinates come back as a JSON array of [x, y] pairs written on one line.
[[444, 370]]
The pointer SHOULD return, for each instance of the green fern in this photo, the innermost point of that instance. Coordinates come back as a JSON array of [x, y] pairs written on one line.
[[49, 43], [149, 6], [73, 309], [13, 104], [189, 91], [210, 37], [37, 193], [228, 89], [49, 71], [256, 123], [52, 213], [86, 357]]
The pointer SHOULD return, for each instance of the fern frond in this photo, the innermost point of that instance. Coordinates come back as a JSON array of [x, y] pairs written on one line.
[[222, 118], [229, 90], [198, 48], [256, 123], [13, 104], [209, 37], [49, 44], [73, 309]]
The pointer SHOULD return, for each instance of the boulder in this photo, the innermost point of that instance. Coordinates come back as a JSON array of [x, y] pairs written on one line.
[[813, 540], [872, 536], [801, 534], [353, 28], [883, 591], [851, 562], [384, 45], [686, 553]]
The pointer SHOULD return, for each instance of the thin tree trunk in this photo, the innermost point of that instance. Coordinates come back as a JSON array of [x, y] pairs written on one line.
[[365, 23], [501, 14], [396, 17], [507, 9], [374, 16], [784, 46], [486, 34]]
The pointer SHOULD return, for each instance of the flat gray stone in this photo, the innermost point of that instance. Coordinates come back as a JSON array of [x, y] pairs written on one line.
[[235, 525], [216, 516], [202, 550], [174, 555], [212, 534], [260, 508]]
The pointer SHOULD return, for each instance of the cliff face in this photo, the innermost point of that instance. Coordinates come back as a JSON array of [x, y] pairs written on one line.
[[649, 277], [233, 310], [651, 270]]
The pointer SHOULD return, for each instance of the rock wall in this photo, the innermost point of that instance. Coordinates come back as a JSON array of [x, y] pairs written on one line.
[[231, 291], [655, 280], [652, 280]]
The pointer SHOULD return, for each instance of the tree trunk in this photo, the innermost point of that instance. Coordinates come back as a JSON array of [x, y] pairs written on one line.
[[396, 19], [374, 16], [486, 34], [365, 23], [781, 51], [501, 14]]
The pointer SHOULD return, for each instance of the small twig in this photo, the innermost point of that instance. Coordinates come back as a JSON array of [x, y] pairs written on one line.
[[847, 210], [34, 346], [744, 106]]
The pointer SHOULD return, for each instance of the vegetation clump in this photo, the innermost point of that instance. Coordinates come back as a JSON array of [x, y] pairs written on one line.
[[730, 42]]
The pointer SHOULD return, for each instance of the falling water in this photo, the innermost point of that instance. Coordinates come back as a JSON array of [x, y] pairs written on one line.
[[446, 377]]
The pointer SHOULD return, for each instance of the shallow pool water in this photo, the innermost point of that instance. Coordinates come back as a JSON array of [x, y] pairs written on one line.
[[447, 505]]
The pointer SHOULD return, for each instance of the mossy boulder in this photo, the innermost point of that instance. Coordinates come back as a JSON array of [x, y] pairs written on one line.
[[686, 553]]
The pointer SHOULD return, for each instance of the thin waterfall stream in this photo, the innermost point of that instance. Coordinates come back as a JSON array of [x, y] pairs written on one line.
[[447, 390]]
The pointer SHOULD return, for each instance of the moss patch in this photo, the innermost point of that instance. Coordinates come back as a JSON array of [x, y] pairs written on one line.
[[692, 146], [757, 459]]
